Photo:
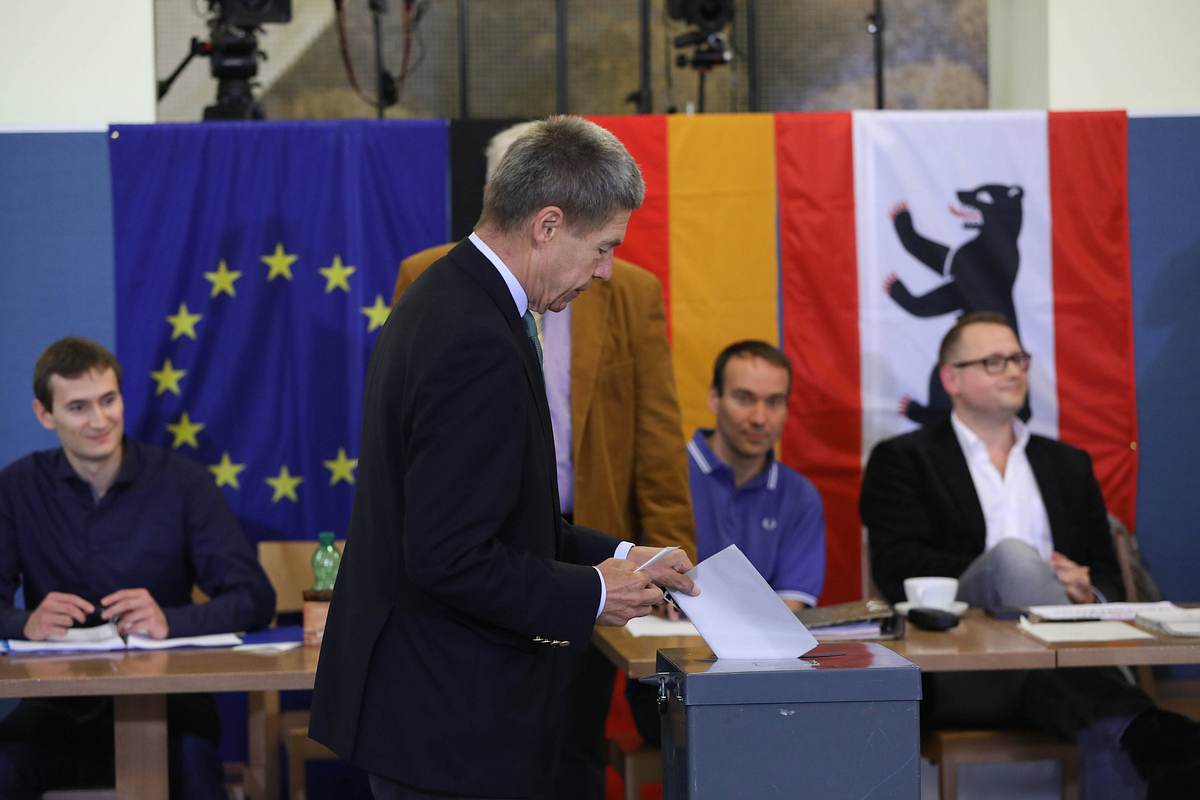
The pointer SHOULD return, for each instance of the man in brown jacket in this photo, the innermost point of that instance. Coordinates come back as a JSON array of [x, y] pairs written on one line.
[[618, 436]]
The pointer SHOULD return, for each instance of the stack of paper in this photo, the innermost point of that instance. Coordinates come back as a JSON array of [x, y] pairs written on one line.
[[1080, 611], [1171, 621], [1097, 631], [105, 637]]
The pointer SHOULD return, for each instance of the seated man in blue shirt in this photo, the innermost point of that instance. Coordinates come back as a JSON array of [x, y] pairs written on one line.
[[741, 495], [104, 529]]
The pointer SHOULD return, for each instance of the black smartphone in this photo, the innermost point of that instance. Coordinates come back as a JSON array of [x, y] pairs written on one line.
[[1005, 612]]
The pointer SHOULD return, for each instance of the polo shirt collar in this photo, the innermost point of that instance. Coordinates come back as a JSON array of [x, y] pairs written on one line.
[[707, 461]]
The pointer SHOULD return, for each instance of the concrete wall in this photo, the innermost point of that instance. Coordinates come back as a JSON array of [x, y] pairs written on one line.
[[76, 63]]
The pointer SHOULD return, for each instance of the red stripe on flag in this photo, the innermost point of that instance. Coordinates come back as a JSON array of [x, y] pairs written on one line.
[[647, 242], [1093, 312], [819, 290]]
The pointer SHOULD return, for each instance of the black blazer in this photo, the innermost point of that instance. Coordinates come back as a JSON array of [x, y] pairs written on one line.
[[923, 516], [441, 665]]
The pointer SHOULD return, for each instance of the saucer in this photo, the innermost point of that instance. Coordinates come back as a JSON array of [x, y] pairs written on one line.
[[956, 608]]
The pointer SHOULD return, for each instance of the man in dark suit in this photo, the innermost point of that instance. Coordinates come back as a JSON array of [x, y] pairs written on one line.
[[1019, 520], [618, 440], [463, 592]]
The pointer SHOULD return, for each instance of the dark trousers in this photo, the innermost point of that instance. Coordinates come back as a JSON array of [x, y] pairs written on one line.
[[582, 761], [67, 743], [387, 789]]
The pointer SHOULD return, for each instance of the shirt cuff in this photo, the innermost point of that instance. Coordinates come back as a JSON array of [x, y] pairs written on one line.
[[622, 551]]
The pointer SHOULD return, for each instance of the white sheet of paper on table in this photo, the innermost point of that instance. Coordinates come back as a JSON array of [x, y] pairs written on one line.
[[738, 614], [651, 625]]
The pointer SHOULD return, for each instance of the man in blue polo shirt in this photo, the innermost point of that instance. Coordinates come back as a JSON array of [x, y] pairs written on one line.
[[740, 494]]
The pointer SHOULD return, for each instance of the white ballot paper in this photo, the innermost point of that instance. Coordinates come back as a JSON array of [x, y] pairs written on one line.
[[738, 613]]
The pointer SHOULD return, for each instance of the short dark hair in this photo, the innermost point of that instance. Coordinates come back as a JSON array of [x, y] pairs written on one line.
[[954, 335], [70, 358], [566, 162], [749, 348]]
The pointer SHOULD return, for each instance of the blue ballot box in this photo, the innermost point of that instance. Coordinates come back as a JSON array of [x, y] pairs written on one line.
[[841, 722]]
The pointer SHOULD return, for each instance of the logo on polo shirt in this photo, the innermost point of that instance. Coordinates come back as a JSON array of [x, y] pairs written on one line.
[[770, 523]]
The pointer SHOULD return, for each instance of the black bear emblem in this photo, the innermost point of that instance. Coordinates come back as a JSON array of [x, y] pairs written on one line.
[[981, 273]]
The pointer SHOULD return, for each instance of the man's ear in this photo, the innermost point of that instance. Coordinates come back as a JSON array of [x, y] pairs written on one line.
[[949, 377], [713, 397], [547, 224], [43, 415]]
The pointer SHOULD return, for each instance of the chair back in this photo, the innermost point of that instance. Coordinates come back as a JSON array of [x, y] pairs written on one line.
[[288, 564]]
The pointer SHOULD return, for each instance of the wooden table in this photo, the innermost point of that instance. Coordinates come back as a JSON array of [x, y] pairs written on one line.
[[979, 643], [139, 682]]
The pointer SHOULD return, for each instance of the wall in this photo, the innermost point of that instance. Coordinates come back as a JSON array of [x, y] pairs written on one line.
[[72, 63], [1069, 54]]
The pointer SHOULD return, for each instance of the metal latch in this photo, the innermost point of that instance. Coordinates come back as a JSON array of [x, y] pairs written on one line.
[[667, 686]]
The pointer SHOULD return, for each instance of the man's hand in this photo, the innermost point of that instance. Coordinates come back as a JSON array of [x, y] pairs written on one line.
[[55, 615], [628, 594], [1076, 579], [668, 571], [134, 611]]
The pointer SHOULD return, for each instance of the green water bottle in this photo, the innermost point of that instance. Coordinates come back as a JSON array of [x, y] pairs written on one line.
[[325, 563]]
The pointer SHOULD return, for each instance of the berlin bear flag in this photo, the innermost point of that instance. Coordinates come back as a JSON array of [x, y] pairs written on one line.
[[1022, 213], [854, 241]]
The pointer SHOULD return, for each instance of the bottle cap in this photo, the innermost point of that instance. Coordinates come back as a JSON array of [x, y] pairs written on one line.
[[325, 538]]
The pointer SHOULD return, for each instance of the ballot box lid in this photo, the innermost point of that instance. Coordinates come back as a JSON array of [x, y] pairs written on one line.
[[832, 672]]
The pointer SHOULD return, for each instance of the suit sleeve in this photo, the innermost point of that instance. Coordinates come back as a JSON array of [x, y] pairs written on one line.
[[12, 620], [463, 482], [1101, 557], [899, 529], [660, 464]]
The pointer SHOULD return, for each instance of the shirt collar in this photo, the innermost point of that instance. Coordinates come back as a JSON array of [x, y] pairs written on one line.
[[514, 286], [131, 463], [973, 445], [707, 461]]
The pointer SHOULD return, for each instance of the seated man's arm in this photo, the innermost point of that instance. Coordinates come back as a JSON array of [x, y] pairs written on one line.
[[227, 570], [901, 531], [1101, 556], [800, 570]]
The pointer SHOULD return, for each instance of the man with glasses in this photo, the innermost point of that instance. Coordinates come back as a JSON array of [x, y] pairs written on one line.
[[1019, 520]]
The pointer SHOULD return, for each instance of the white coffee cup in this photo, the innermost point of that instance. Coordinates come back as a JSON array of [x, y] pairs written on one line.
[[931, 592]]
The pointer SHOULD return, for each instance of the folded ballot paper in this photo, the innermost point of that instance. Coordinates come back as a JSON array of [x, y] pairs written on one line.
[[738, 613], [105, 637]]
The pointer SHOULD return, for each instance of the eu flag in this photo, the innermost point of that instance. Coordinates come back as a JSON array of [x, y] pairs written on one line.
[[254, 267]]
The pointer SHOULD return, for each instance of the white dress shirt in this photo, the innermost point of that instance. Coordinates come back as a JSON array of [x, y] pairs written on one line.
[[1012, 503]]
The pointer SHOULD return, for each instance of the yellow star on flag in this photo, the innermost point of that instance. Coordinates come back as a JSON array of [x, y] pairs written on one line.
[[167, 378], [185, 431], [336, 275], [285, 484], [183, 323], [226, 472], [341, 468], [377, 314], [222, 280], [279, 263]]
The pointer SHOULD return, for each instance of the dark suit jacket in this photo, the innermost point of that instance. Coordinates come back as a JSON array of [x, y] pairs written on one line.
[[923, 516], [433, 671], [627, 440]]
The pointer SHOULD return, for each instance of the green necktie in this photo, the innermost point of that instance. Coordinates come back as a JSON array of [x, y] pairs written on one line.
[[532, 332]]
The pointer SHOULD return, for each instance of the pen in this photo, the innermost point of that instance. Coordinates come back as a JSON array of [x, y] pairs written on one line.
[[656, 557]]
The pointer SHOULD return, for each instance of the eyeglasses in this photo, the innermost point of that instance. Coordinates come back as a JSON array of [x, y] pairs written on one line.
[[997, 364]]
